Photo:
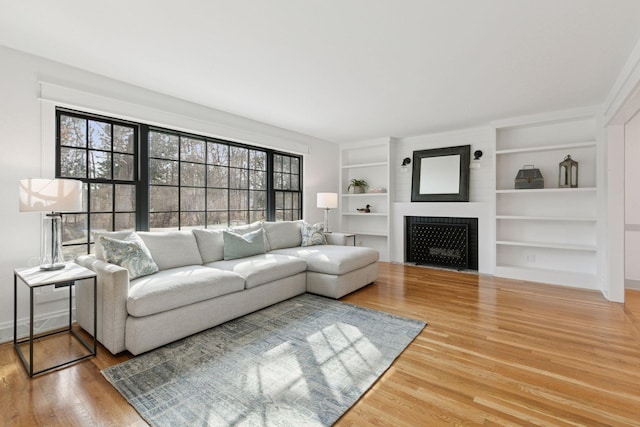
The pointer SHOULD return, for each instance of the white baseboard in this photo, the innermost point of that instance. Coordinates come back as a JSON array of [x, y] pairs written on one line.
[[45, 297], [42, 323], [632, 284]]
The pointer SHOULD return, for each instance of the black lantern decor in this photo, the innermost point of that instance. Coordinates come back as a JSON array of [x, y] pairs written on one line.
[[568, 177]]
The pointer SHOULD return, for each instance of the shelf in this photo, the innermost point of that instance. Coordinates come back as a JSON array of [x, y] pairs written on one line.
[[365, 195], [547, 190], [368, 233], [365, 165], [364, 214], [369, 160], [547, 218], [550, 234], [587, 144], [546, 245]]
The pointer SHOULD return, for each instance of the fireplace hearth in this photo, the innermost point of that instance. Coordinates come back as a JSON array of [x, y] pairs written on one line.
[[442, 242]]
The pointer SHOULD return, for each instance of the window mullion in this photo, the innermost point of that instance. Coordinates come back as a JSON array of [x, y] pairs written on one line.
[[206, 183], [179, 182], [113, 175], [271, 194], [142, 181]]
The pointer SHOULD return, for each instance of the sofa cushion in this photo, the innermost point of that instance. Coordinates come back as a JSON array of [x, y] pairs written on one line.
[[313, 235], [330, 259], [260, 269], [210, 244], [130, 253], [241, 246], [177, 287], [283, 234], [171, 249]]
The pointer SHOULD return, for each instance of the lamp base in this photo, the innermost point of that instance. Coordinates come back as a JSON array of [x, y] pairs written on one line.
[[326, 220], [52, 267], [51, 256]]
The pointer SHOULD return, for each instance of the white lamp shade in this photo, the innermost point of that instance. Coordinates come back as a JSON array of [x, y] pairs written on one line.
[[50, 195], [327, 200]]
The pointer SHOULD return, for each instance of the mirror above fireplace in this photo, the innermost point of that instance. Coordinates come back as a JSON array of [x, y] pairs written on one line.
[[441, 175]]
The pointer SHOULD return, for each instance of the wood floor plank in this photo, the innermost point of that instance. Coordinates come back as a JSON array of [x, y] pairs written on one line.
[[495, 352]]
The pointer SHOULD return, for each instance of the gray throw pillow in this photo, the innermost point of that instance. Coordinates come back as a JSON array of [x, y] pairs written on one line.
[[130, 253], [313, 234], [240, 246], [248, 228]]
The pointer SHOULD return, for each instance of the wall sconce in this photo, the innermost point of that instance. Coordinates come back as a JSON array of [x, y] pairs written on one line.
[[475, 163], [404, 167]]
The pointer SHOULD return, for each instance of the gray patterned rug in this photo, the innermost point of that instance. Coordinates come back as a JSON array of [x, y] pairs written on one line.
[[302, 362]]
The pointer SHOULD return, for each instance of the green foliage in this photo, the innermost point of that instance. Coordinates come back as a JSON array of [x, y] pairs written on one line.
[[357, 183]]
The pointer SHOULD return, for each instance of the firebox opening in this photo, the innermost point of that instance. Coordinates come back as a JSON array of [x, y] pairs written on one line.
[[442, 242]]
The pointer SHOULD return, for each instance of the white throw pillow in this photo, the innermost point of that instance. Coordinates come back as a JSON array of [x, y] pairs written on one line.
[[313, 234], [130, 253]]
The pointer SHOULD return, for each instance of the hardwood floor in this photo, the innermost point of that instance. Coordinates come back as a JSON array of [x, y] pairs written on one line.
[[495, 352]]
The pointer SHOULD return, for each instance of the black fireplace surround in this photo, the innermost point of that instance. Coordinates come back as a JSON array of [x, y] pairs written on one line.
[[442, 242]]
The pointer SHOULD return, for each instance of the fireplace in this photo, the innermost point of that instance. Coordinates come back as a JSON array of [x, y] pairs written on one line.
[[442, 242]]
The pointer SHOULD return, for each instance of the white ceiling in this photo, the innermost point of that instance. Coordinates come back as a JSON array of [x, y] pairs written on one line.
[[344, 70]]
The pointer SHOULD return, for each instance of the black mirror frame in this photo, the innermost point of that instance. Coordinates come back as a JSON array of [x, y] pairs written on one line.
[[463, 189]]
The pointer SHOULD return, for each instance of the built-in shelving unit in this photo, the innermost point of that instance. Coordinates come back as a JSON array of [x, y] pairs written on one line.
[[368, 160], [548, 234]]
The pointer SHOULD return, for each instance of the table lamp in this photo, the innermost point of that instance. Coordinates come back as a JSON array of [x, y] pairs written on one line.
[[327, 201], [52, 196]]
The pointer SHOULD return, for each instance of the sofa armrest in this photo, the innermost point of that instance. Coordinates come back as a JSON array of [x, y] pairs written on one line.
[[340, 239], [113, 290]]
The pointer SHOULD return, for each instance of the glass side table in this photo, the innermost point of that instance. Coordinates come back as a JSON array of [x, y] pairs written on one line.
[[35, 278]]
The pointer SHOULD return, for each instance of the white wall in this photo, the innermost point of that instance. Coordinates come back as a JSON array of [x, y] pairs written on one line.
[[481, 189], [621, 105], [632, 202], [613, 233], [27, 138], [481, 181]]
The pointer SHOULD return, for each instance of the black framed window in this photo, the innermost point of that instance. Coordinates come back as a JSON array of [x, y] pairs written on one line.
[[196, 182], [139, 177], [103, 153], [286, 178]]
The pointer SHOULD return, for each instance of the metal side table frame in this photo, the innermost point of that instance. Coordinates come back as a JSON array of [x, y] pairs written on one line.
[[35, 278]]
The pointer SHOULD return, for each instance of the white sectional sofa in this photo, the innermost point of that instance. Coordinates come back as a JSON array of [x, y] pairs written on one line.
[[203, 280]]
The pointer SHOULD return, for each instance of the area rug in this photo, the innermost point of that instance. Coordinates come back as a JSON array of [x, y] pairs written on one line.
[[302, 362]]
